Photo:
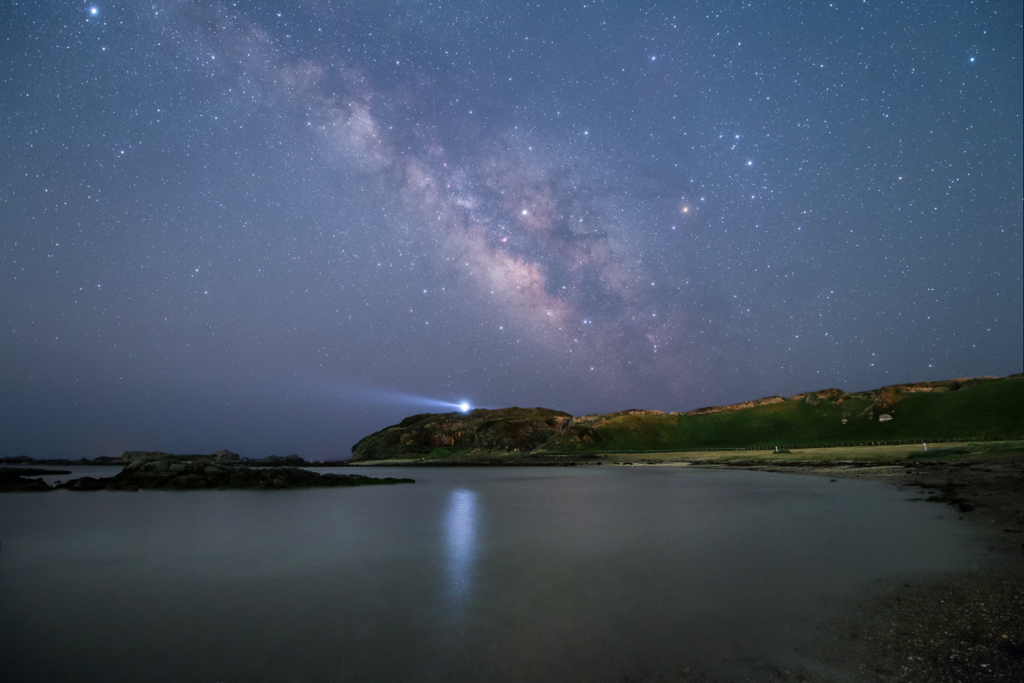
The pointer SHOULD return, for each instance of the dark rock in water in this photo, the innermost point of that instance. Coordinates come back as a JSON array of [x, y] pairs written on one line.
[[11, 480], [223, 470], [188, 473], [83, 484], [29, 471]]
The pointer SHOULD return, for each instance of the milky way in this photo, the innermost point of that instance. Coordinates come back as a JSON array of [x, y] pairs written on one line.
[[277, 227]]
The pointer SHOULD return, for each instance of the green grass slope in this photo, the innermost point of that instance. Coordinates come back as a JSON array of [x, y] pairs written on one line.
[[988, 409]]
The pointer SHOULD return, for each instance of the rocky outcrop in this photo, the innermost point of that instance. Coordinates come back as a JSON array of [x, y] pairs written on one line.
[[151, 470], [192, 476], [768, 400], [930, 387], [882, 403], [815, 398], [216, 471], [15, 479], [882, 399], [478, 431]]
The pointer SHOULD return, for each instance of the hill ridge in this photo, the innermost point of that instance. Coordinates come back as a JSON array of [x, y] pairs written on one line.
[[993, 407]]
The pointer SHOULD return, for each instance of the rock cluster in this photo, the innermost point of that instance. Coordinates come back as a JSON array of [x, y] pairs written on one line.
[[14, 479], [768, 400], [210, 472], [183, 473], [480, 430]]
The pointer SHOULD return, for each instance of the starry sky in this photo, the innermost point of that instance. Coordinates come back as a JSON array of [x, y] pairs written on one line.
[[276, 227]]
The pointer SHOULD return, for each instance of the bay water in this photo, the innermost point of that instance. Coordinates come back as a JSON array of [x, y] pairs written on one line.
[[470, 574]]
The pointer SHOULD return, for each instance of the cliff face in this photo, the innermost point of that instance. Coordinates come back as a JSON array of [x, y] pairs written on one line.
[[480, 431]]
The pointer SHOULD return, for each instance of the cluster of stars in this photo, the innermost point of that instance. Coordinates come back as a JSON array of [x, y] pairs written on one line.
[[625, 205]]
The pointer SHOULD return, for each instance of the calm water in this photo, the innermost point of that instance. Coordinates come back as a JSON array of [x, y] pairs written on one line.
[[520, 574]]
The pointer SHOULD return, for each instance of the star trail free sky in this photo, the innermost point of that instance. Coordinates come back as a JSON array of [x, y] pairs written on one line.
[[276, 227]]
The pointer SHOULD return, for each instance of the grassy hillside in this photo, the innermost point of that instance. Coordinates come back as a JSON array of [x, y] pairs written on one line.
[[993, 408], [976, 408]]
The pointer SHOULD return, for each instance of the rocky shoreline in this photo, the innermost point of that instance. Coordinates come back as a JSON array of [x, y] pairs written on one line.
[[960, 628], [965, 627]]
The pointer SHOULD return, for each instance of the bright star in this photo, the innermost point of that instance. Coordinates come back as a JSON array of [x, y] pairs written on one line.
[[94, 11]]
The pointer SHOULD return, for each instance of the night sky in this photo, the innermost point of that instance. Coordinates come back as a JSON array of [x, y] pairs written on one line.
[[278, 227]]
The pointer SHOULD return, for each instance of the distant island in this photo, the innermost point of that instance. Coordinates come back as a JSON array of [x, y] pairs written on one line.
[[969, 408], [292, 460], [222, 470]]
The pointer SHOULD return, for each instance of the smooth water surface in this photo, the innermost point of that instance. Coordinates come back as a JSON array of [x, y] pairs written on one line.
[[498, 574]]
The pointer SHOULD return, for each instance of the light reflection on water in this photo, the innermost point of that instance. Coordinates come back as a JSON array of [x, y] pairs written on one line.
[[507, 575], [460, 537]]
